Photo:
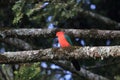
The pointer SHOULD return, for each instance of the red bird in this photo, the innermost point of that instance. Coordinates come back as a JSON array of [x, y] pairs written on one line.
[[65, 41]]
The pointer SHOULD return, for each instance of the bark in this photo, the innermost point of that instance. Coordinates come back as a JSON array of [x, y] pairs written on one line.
[[103, 65], [60, 54], [20, 44], [50, 33], [82, 73], [111, 23]]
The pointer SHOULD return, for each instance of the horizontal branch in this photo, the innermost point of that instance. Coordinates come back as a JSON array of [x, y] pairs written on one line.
[[47, 33], [60, 54]]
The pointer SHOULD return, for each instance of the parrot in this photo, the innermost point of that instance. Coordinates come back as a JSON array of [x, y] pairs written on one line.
[[65, 41]]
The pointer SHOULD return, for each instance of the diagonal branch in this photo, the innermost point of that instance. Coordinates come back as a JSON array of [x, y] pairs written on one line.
[[111, 23], [47, 33], [20, 44], [103, 65], [60, 54], [82, 73]]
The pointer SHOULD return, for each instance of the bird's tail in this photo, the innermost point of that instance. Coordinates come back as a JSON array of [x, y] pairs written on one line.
[[76, 64]]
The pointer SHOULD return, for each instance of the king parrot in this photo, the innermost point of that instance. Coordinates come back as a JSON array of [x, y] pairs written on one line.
[[65, 41]]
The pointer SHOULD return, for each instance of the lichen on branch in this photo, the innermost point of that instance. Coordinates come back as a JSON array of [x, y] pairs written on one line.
[[60, 54], [50, 33]]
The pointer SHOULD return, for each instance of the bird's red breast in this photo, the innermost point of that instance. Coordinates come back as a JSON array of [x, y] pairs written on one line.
[[64, 43], [62, 40]]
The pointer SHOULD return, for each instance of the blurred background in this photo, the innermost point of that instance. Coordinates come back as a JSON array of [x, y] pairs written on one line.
[[15, 14]]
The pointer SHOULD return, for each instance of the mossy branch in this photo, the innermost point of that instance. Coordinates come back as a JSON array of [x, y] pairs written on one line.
[[60, 54]]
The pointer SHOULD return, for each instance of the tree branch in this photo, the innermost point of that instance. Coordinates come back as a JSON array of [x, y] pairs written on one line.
[[82, 73], [111, 23], [20, 44], [47, 33], [103, 65], [60, 54]]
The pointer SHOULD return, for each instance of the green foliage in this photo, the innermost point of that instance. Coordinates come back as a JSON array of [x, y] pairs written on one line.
[[37, 12], [117, 77], [28, 72], [61, 11], [18, 10]]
